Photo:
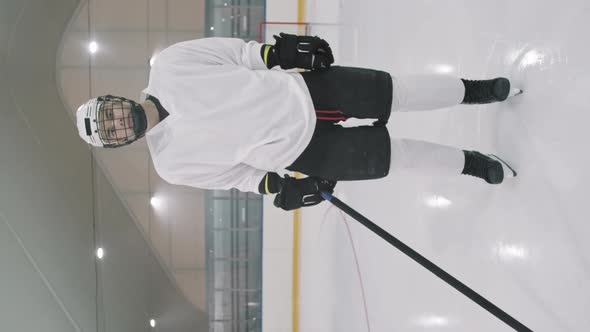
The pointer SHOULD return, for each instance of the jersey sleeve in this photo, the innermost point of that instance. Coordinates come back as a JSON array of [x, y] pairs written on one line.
[[217, 51], [242, 177]]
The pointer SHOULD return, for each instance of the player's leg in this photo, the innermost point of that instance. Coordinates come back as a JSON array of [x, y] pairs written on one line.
[[345, 92], [367, 152], [429, 92], [346, 154], [436, 159]]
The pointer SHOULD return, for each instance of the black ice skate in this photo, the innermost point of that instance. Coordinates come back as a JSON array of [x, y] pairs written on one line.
[[488, 91], [490, 168]]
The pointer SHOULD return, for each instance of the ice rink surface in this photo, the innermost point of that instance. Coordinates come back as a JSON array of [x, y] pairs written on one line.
[[523, 244]]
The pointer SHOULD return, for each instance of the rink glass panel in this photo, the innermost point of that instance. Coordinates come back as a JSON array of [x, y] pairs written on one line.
[[234, 18], [234, 261], [234, 219]]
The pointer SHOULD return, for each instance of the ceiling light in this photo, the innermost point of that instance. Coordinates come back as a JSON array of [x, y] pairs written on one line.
[[443, 69], [432, 321], [532, 58], [93, 47], [100, 253], [436, 201], [511, 252], [156, 202]]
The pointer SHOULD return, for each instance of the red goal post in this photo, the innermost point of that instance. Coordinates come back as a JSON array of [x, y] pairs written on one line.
[[267, 29], [328, 31]]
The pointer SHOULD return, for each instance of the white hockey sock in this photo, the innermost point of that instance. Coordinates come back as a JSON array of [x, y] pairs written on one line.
[[426, 92], [426, 158]]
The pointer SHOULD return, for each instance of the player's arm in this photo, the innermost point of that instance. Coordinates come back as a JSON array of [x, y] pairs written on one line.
[[289, 52], [272, 183], [269, 56], [214, 51]]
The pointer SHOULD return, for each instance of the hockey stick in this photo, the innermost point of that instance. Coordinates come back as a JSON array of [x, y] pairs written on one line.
[[442, 274]]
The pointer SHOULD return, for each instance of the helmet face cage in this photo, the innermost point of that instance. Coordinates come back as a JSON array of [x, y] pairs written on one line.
[[115, 121], [110, 121]]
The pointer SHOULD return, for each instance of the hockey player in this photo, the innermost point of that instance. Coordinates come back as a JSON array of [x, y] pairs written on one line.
[[216, 117]]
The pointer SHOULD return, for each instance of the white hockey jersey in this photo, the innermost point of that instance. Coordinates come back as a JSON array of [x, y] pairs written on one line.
[[231, 119]]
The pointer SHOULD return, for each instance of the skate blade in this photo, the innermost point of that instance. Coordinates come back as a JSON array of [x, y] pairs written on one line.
[[509, 172], [515, 92]]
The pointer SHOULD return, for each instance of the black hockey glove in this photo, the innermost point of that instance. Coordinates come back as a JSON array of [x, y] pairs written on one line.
[[304, 52], [297, 193]]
